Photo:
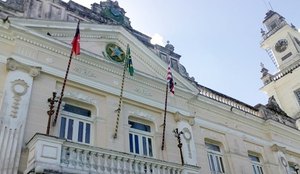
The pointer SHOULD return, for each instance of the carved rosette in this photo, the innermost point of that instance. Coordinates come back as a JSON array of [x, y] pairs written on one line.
[[19, 88]]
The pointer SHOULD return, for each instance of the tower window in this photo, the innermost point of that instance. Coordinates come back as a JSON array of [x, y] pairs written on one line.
[[164, 57], [174, 64], [273, 25]]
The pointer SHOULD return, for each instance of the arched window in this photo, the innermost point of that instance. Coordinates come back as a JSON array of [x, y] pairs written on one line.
[[140, 138], [76, 124]]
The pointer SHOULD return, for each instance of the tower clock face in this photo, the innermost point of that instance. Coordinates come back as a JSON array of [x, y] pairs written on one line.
[[281, 45]]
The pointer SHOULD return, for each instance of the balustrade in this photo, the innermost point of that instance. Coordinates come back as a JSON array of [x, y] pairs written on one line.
[[102, 162], [231, 102], [61, 156]]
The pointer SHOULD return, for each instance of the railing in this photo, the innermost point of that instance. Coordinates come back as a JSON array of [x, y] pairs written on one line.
[[101, 161], [52, 155], [227, 100], [286, 71], [271, 32]]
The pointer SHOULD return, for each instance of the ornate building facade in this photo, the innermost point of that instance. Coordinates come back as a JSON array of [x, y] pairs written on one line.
[[216, 133]]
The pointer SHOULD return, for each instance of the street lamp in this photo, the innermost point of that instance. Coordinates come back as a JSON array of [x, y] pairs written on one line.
[[51, 111], [177, 135]]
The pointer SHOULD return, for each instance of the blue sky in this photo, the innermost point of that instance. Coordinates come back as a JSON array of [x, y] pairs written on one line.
[[219, 40]]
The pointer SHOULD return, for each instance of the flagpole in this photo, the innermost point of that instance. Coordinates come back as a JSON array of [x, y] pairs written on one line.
[[165, 117], [63, 89], [120, 101]]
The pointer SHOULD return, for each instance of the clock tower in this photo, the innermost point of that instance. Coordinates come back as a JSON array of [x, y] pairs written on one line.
[[282, 42]]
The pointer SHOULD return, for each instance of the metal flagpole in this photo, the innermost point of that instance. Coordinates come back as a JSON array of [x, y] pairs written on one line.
[[76, 50], [62, 89], [165, 117], [120, 100]]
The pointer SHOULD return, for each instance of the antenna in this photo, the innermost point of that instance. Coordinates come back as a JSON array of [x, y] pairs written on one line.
[[270, 5], [266, 5]]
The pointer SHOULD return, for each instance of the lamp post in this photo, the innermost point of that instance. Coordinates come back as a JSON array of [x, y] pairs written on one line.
[[177, 135], [296, 168], [51, 110]]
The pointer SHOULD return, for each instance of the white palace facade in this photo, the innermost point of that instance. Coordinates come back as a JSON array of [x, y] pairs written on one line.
[[219, 134]]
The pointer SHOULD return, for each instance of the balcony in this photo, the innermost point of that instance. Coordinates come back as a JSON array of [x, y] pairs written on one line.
[[49, 154]]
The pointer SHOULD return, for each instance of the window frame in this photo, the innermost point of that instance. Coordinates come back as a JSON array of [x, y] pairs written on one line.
[[292, 168], [77, 119], [297, 94], [215, 159], [257, 166], [133, 132]]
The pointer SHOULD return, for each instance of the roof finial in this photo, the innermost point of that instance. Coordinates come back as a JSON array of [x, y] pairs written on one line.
[[169, 46], [262, 31], [262, 65]]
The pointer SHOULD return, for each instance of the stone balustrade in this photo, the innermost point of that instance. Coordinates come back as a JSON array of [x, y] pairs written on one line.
[[228, 101], [48, 154]]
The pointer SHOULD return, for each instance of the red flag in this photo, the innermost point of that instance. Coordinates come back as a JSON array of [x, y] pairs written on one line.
[[76, 41], [170, 80]]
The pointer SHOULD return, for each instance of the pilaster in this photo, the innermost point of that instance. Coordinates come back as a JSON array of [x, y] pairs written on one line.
[[184, 124], [13, 112], [282, 160]]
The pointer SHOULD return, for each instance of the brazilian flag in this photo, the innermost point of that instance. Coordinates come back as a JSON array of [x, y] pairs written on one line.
[[129, 61]]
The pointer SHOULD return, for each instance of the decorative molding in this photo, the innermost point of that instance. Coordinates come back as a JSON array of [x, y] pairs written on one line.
[[13, 65], [6, 37], [84, 59], [27, 52], [81, 97], [276, 148], [85, 72], [143, 92], [42, 46], [187, 136], [179, 117], [19, 88], [142, 115]]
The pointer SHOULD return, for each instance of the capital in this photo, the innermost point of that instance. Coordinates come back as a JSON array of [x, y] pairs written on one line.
[[13, 65]]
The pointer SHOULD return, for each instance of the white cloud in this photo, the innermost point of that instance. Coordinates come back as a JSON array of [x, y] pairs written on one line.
[[157, 39]]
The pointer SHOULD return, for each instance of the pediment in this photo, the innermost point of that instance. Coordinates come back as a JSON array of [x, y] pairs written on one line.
[[94, 39]]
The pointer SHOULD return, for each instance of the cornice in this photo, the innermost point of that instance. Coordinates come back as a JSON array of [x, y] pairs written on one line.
[[84, 59], [158, 67], [282, 129], [87, 55], [244, 135], [6, 37]]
